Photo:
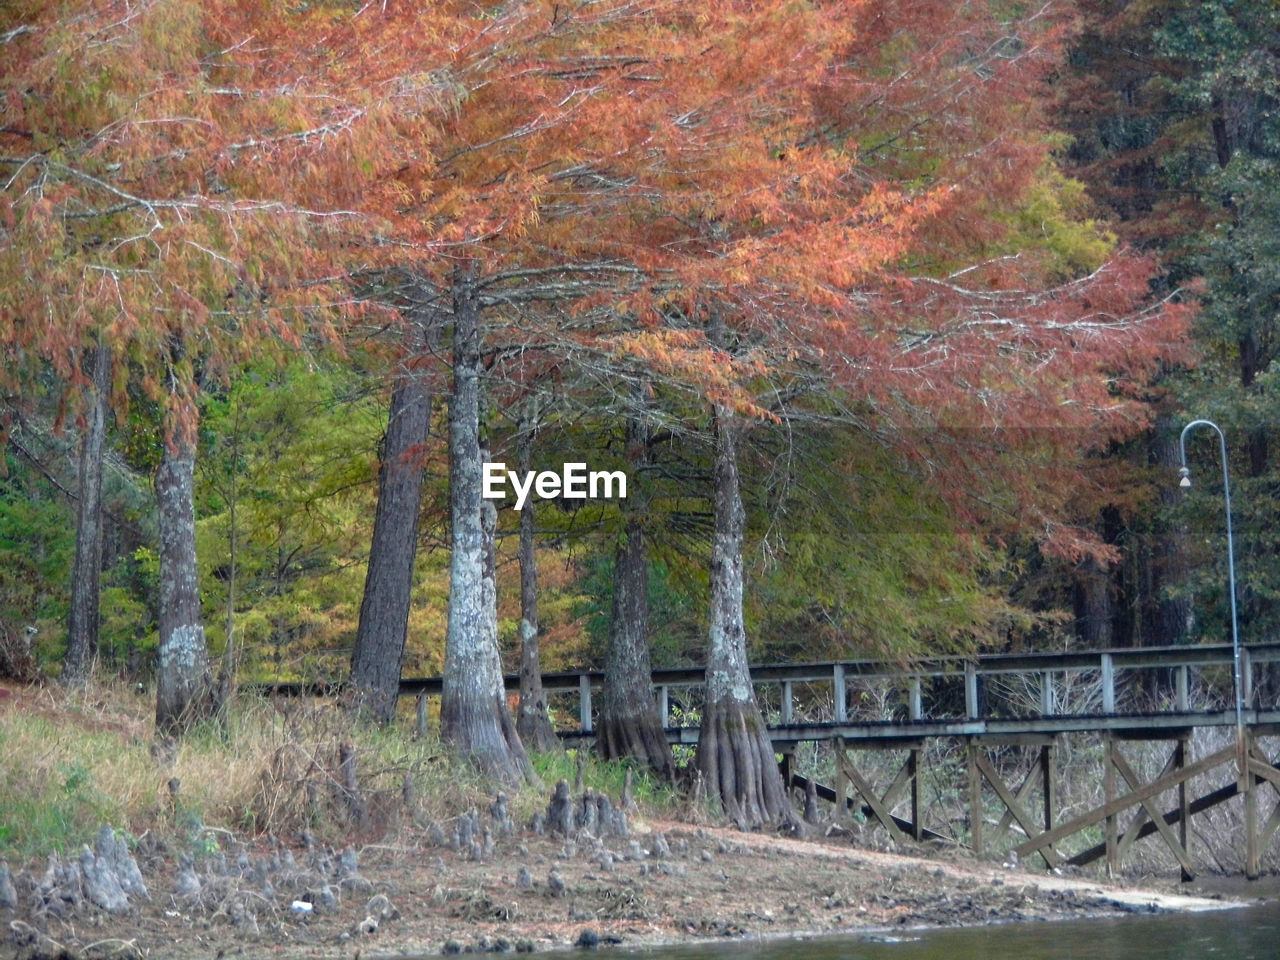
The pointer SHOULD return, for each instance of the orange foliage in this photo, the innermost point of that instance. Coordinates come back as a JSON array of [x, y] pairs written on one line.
[[828, 176]]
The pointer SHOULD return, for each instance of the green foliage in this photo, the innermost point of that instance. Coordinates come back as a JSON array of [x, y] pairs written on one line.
[[677, 619], [284, 479], [37, 545], [1049, 224], [858, 557]]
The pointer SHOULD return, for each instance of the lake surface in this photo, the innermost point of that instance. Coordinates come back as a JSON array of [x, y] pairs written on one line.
[[1248, 933]]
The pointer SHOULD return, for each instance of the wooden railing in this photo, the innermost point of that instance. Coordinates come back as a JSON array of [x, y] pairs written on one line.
[[926, 713]]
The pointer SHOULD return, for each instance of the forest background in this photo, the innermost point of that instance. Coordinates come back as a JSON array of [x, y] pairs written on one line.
[[934, 285]]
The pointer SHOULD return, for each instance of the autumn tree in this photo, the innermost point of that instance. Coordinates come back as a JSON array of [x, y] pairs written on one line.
[[141, 209], [532, 720], [629, 723], [384, 609], [86, 574], [820, 245], [729, 198]]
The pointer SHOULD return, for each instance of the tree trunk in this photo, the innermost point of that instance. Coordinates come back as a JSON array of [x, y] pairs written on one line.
[[184, 686], [473, 712], [384, 609], [735, 755], [82, 624], [1093, 605], [230, 659], [630, 725], [532, 720]]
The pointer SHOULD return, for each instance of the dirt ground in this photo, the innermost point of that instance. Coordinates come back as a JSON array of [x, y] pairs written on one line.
[[714, 884]]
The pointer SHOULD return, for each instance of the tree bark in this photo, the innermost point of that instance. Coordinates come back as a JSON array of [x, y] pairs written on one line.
[[1092, 603], [86, 573], [735, 755], [378, 656], [184, 686], [532, 720], [629, 724], [474, 718]]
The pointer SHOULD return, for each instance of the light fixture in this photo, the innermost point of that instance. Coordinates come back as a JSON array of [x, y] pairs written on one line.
[[1241, 758]]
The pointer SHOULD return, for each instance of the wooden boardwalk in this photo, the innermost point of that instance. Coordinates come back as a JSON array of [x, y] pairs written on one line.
[[996, 704]]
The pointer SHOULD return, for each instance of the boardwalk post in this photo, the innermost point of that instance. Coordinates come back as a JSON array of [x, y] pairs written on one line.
[[664, 703], [1250, 817], [1246, 678], [584, 702], [421, 729], [1184, 700], [915, 708], [970, 690], [1182, 754], [788, 708], [1108, 684], [1050, 790], [1109, 791], [843, 784], [1046, 694], [913, 771], [975, 798], [837, 676]]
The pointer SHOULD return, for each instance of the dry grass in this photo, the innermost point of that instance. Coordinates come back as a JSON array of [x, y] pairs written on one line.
[[74, 761]]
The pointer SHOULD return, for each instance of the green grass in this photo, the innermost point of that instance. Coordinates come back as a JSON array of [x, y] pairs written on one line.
[[608, 776]]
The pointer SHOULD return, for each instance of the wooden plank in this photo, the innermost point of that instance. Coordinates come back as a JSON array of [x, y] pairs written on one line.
[[1129, 658], [584, 703], [1246, 678], [826, 793], [1269, 828], [1251, 810], [917, 811], [1050, 790], [868, 792], [1024, 791], [1113, 807], [1181, 752], [1157, 818], [1209, 800], [900, 780], [975, 800], [1264, 770], [1009, 800], [1142, 816], [1268, 831], [1109, 792], [1108, 684]]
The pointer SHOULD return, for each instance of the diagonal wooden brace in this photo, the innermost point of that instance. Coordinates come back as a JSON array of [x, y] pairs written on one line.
[[1115, 806]]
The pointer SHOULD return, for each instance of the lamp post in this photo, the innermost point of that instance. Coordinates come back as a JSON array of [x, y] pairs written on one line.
[[1185, 473]]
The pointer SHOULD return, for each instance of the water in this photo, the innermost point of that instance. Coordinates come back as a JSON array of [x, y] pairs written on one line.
[[1249, 933]]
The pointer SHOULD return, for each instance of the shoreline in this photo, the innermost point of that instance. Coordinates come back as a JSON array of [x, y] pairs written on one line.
[[539, 894]]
